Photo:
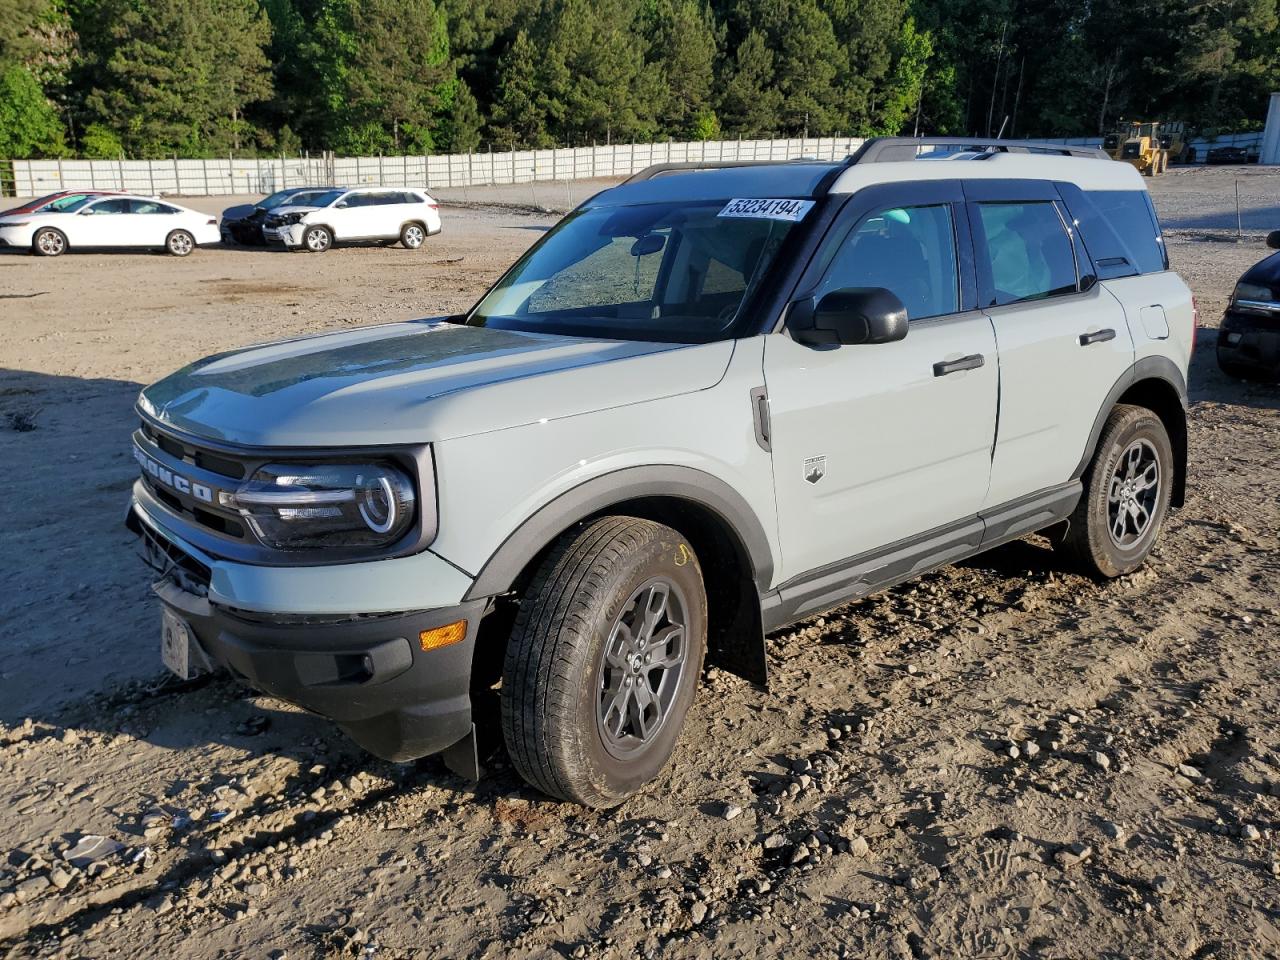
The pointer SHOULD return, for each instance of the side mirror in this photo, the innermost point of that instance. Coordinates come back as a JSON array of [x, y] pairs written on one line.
[[855, 315], [341, 205], [87, 211], [1273, 239]]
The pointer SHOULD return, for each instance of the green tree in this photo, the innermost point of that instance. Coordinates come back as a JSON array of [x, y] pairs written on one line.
[[518, 120], [682, 50], [384, 74], [180, 74], [750, 103], [902, 92], [29, 124]]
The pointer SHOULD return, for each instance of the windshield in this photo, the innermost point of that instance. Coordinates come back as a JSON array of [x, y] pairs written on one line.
[[276, 199], [674, 271], [76, 203], [63, 204], [321, 198]]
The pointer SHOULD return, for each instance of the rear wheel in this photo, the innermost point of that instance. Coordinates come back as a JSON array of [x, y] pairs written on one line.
[[604, 660], [49, 242], [412, 235], [1126, 495], [317, 239], [180, 243]]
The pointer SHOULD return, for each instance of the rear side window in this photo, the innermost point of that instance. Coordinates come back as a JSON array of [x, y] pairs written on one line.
[[1131, 216], [1027, 251], [1119, 229]]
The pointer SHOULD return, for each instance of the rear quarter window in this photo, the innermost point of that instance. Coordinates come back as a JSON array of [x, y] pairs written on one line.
[[1119, 229]]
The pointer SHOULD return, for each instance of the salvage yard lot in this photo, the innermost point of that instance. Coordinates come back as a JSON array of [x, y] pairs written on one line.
[[1002, 759]]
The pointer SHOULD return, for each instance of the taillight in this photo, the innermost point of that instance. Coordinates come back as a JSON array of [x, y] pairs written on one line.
[[434, 206]]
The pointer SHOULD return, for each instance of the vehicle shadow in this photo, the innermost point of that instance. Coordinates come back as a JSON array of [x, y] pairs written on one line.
[[82, 635]]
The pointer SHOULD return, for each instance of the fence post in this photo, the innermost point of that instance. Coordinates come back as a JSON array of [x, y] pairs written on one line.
[[61, 185], [120, 170], [284, 173]]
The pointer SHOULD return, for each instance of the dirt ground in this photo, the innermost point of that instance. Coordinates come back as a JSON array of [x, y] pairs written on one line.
[[1002, 759]]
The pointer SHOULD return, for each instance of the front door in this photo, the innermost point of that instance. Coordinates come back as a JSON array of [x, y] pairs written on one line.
[[875, 444], [1062, 336]]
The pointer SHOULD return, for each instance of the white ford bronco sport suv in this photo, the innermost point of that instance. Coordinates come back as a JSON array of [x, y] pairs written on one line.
[[712, 401]]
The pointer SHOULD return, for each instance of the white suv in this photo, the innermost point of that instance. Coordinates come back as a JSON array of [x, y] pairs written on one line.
[[316, 221], [709, 403]]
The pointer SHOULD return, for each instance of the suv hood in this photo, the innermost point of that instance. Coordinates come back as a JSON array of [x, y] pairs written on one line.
[[293, 208], [409, 383]]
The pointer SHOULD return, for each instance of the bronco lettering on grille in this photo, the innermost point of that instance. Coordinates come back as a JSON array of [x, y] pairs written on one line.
[[176, 481]]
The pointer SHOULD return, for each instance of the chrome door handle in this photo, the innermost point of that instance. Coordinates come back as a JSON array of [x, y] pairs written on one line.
[[1097, 336], [971, 362]]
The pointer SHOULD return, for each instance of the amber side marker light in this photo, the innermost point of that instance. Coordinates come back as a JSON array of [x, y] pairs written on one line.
[[438, 637]]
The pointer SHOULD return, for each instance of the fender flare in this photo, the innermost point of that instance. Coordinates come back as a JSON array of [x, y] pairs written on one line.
[[501, 570], [1148, 368]]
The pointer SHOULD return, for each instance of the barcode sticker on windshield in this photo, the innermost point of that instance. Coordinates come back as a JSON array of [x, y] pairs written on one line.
[[790, 210]]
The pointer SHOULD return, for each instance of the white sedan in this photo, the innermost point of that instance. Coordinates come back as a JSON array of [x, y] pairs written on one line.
[[110, 222]]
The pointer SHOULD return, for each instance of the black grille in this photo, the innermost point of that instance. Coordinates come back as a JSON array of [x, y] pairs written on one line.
[[175, 564]]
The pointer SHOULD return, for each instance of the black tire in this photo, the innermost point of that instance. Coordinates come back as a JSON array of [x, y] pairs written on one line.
[[413, 236], [317, 239], [1091, 537], [179, 243], [1249, 374], [556, 679], [49, 242]]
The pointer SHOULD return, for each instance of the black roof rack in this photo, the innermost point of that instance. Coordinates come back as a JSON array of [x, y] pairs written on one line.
[[882, 150], [888, 149], [658, 169]]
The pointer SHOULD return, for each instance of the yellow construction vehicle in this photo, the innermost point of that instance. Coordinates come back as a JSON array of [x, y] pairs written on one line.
[[1149, 146]]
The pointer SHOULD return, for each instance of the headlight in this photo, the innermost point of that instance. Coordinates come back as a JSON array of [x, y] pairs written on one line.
[[1252, 291], [292, 218], [305, 506]]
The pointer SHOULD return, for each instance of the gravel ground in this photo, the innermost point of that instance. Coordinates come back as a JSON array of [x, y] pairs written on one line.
[[1001, 759]]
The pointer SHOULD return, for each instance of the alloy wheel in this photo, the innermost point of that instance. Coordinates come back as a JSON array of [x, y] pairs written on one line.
[[644, 659], [1133, 494]]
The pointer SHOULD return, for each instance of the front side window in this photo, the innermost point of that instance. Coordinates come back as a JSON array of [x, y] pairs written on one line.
[[674, 271], [1028, 251], [910, 251], [120, 205]]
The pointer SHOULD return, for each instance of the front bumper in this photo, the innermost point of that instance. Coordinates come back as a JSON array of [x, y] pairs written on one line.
[[289, 236], [338, 640], [1250, 341], [368, 674]]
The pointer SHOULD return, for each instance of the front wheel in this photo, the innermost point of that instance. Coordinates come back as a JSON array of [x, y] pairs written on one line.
[[180, 243], [317, 239], [1126, 495], [604, 660], [49, 243]]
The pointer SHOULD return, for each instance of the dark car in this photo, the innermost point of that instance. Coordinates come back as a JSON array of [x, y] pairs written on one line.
[[1224, 155], [1249, 339], [243, 222]]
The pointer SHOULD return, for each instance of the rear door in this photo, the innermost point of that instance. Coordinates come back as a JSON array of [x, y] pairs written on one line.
[[874, 444], [1062, 337], [149, 222]]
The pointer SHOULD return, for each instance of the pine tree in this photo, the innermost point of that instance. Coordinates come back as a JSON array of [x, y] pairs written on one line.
[[181, 74], [750, 103], [517, 121], [386, 76], [682, 49]]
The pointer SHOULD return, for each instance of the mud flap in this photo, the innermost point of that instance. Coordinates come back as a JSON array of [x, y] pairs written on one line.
[[463, 757], [738, 647]]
